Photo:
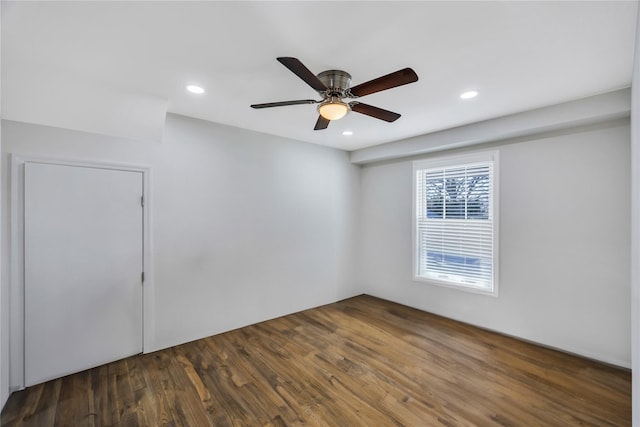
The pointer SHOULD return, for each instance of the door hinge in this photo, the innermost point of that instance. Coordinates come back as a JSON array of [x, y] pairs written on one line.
[[142, 201], [142, 277]]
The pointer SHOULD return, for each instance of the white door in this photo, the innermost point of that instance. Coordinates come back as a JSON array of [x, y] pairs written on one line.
[[83, 265]]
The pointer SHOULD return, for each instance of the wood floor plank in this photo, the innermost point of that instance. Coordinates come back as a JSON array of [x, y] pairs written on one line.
[[101, 398], [161, 409], [21, 406], [73, 401], [358, 362], [45, 410]]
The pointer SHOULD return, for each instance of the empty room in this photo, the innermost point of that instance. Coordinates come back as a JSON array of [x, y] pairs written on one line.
[[319, 213]]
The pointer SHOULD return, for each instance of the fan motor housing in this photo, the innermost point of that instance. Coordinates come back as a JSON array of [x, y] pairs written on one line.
[[336, 80]]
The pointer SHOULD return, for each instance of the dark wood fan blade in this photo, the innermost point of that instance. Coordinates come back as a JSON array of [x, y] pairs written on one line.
[[370, 110], [303, 72], [399, 78], [322, 123], [283, 103]]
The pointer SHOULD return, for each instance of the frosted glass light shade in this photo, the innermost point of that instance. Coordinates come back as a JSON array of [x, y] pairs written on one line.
[[333, 110]]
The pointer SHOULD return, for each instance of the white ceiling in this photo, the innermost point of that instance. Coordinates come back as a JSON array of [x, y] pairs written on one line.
[[518, 55]]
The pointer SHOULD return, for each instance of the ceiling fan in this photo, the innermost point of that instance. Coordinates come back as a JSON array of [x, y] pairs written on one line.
[[334, 87]]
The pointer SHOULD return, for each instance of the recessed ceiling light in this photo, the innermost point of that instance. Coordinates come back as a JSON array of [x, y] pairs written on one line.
[[469, 95], [195, 89], [347, 133]]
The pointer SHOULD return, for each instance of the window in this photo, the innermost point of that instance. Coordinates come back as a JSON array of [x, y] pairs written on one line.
[[455, 222]]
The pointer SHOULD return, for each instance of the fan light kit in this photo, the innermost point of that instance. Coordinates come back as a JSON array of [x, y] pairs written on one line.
[[334, 86], [333, 109]]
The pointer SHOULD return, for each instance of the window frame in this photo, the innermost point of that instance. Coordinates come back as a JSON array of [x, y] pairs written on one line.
[[454, 161]]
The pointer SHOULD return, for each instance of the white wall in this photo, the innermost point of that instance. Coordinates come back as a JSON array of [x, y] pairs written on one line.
[[4, 312], [564, 243], [635, 230], [246, 226]]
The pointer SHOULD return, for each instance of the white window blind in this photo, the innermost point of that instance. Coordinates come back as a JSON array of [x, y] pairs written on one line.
[[454, 222]]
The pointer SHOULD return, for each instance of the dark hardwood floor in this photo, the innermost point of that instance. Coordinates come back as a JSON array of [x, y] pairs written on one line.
[[358, 362]]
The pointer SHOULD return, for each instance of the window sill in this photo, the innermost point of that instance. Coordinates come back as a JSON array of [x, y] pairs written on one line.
[[461, 287]]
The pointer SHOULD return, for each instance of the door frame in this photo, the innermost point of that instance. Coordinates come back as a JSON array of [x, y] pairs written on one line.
[[17, 261]]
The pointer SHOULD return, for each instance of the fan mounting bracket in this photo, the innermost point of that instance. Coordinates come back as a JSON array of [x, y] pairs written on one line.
[[336, 81]]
